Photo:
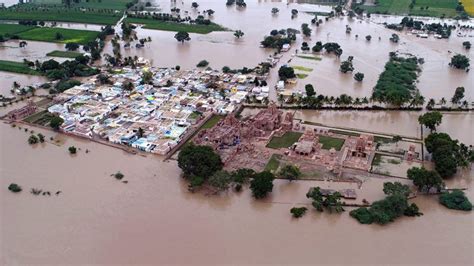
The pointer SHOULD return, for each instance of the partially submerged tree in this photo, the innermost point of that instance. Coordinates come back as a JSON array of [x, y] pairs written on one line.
[[182, 36], [262, 184], [290, 172], [431, 120], [197, 160], [238, 34]]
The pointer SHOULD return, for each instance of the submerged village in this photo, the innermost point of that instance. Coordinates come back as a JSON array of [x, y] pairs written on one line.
[[256, 121]]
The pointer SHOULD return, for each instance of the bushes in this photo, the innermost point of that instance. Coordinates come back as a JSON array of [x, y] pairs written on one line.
[[262, 184], [459, 61], [72, 150], [202, 63], [455, 200], [298, 212], [33, 139], [14, 188]]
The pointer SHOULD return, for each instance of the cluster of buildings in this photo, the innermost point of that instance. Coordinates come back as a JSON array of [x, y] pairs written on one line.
[[152, 116]]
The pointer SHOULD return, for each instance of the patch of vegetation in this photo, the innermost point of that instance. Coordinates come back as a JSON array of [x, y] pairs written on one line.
[[330, 142], [331, 202], [212, 122], [456, 200], [285, 141], [316, 58], [346, 133], [298, 212], [302, 68], [430, 8], [262, 184], [66, 54], [14, 188], [273, 163], [17, 67], [377, 159], [176, 26], [301, 75], [119, 175], [59, 35], [72, 150], [387, 210], [397, 83], [8, 30]]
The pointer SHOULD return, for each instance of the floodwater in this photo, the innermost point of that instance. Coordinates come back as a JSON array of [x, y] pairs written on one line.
[[154, 220], [459, 125], [8, 78]]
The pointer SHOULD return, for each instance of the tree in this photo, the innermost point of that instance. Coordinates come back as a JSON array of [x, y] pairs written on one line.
[[309, 90], [455, 200], [286, 72], [33, 139], [262, 184], [424, 179], [390, 188], [72, 150], [459, 61], [275, 10], [182, 36], [346, 66], [242, 176], [194, 5], [298, 212], [331, 201], [467, 45], [395, 38], [368, 38], [306, 30], [147, 77], [290, 172], [431, 120], [458, 95], [197, 160], [202, 63], [56, 122], [40, 137], [127, 85], [14, 188], [140, 132], [359, 76], [317, 47], [238, 34], [72, 46], [220, 180]]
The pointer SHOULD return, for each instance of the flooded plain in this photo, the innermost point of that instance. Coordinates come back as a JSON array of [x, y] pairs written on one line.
[[154, 219]]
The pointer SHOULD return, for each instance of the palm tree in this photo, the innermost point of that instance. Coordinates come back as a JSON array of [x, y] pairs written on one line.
[[443, 101]]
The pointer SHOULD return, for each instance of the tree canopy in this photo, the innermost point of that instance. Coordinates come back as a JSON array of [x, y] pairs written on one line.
[[424, 179], [198, 160], [262, 184], [431, 120], [182, 36], [455, 200]]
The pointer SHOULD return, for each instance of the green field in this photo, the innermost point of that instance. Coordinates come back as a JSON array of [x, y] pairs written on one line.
[[104, 4], [11, 29], [302, 68], [309, 57], [61, 14], [436, 8], [273, 163], [285, 141], [49, 35], [174, 26], [330, 142], [211, 122], [66, 54], [17, 67]]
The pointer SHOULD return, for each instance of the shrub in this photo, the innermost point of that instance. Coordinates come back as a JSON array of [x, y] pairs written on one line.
[[72, 150], [298, 212], [202, 63], [456, 200], [14, 188], [119, 175]]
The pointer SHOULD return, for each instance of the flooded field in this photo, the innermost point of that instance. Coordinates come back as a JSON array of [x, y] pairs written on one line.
[[154, 219]]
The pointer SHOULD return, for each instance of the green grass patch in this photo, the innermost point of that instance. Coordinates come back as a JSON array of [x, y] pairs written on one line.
[[273, 163], [68, 35], [39, 118], [174, 26], [302, 68], [436, 8], [12, 29], [330, 142], [17, 67], [308, 57], [285, 141], [345, 133], [104, 4], [301, 75], [66, 54], [377, 159], [212, 122], [108, 17]]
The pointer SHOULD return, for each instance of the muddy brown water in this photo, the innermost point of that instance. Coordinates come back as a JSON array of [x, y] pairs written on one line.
[[154, 219]]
